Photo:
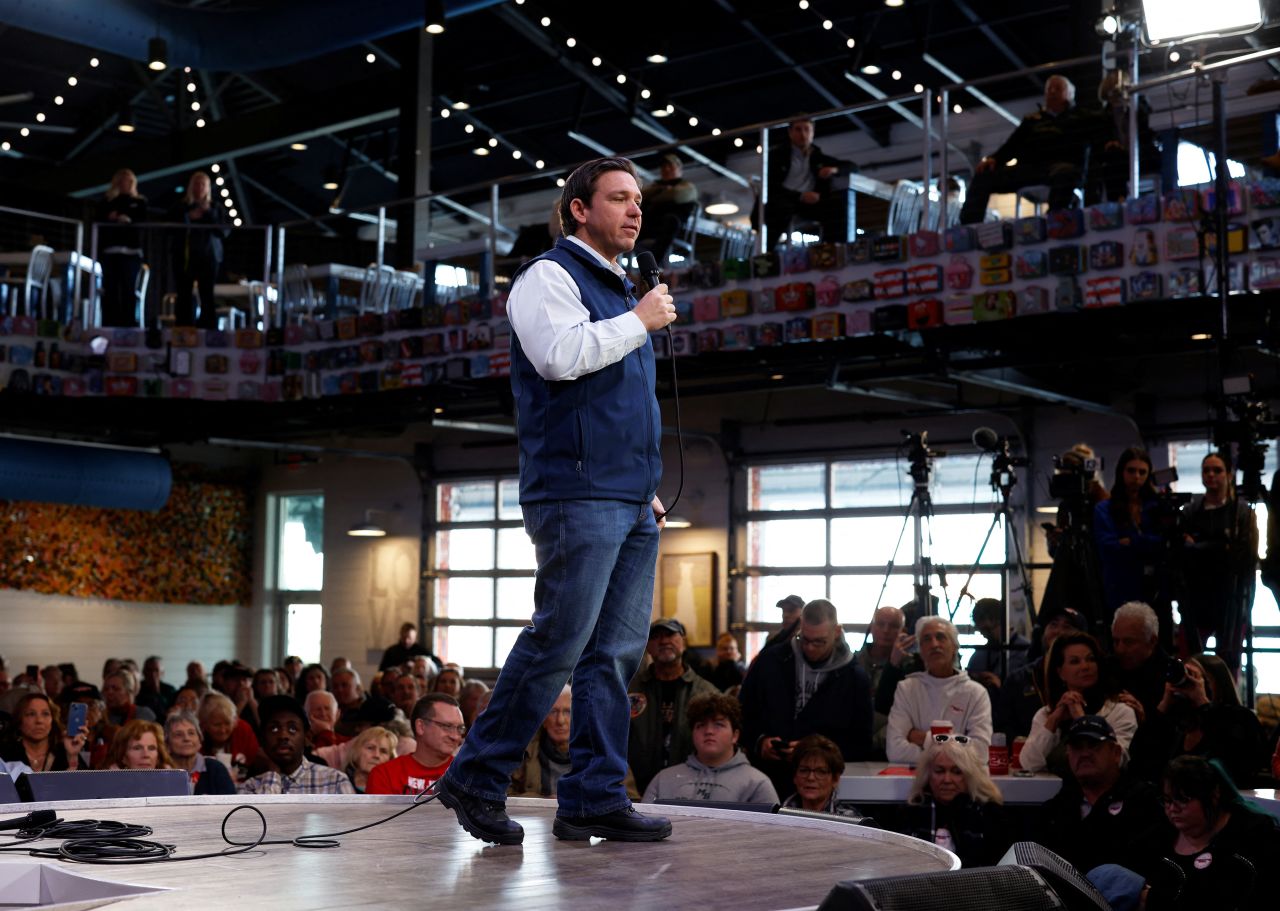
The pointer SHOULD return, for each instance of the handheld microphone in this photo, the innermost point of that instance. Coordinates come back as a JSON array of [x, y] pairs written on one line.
[[36, 819], [986, 439], [649, 268]]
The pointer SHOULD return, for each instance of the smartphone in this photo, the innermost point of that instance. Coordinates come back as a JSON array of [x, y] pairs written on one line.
[[33, 671], [77, 714], [1163, 477]]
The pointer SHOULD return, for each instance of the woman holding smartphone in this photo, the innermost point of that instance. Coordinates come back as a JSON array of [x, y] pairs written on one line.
[[38, 740]]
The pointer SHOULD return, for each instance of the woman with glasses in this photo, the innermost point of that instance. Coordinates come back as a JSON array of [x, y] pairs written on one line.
[[955, 804], [1218, 563], [1226, 849], [1073, 686], [817, 765]]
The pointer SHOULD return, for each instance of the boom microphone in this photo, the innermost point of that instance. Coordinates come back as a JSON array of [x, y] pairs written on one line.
[[649, 268], [986, 439]]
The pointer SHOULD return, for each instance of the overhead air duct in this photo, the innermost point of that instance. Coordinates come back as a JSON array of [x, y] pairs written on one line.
[[79, 475], [227, 39]]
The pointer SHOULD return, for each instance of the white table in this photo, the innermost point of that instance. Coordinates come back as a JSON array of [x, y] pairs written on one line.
[[863, 783]]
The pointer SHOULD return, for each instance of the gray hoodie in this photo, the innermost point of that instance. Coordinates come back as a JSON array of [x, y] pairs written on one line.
[[734, 782], [809, 677]]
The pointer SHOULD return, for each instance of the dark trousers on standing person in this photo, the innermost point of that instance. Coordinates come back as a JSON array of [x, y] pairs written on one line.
[[203, 273], [119, 289], [592, 601]]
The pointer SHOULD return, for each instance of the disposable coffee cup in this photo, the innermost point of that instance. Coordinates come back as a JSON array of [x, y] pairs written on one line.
[[998, 756], [941, 727]]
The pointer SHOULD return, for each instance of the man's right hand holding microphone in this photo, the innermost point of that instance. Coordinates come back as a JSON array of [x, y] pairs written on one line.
[[656, 309]]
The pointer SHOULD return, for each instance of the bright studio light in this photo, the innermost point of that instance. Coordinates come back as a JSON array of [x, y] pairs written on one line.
[[1176, 20]]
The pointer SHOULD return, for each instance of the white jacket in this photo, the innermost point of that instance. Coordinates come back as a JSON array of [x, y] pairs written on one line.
[[922, 698], [1041, 741]]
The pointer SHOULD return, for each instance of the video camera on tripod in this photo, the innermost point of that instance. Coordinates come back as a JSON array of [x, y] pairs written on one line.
[[1002, 460], [1250, 431], [920, 455]]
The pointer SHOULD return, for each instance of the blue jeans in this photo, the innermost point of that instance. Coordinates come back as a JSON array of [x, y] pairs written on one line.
[[592, 601]]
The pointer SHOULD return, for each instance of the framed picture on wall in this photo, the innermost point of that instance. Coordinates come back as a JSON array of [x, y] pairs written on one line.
[[689, 594]]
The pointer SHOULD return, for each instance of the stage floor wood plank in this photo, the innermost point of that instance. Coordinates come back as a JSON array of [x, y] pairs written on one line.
[[714, 859]]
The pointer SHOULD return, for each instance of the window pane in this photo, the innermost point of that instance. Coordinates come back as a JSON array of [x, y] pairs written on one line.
[[469, 501], [764, 593], [515, 598], [855, 597], [882, 482], [302, 631], [470, 646], [953, 480], [301, 546], [465, 597], [870, 541], [515, 550], [1268, 665], [788, 542], [984, 585], [503, 638], [509, 499], [786, 487], [464, 548], [956, 540]]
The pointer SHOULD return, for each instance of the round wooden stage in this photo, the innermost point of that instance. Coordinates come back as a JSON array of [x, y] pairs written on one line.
[[713, 859]]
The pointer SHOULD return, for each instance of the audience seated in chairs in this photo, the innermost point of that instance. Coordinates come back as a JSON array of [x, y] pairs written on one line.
[[800, 178], [811, 685], [438, 730], [314, 677], [153, 692], [660, 695], [727, 673], [993, 661], [469, 699], [1103, 809], [716, 770], [369, 749], [448, 681], [1049, 147], [1014, 707], [139, 745], [283, 733], [226, 732], [668, 202], [118, 691], [938, 693], [1074, 686], [546, 758], [183, 738], [322, 712], [38, 740], [816, 767], [1137, 663], [886, 627], [955, 804], [1201, 715]]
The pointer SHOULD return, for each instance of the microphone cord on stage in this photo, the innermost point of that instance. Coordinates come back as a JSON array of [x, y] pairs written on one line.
[[92, 841]]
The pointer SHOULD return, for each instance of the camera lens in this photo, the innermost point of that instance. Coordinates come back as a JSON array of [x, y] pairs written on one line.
[[1175, 672]]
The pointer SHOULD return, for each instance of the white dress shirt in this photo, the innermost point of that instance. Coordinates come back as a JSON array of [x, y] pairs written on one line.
[[555, 328]]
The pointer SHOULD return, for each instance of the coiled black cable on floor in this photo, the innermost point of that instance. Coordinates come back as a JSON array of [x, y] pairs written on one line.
[[107, 842]]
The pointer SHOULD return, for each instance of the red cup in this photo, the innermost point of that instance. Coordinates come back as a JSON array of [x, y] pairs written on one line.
[[998, 760], [1015, 758], [941, 727]]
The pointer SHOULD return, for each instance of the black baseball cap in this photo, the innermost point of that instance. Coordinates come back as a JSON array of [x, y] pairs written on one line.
[[666, 624], [1091, 727], [792, 602]]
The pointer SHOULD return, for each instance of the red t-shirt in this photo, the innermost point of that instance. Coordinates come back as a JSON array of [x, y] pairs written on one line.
[[404, 775]]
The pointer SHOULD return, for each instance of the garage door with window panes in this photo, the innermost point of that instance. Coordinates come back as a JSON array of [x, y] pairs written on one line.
[[828, 529], [483, 568]]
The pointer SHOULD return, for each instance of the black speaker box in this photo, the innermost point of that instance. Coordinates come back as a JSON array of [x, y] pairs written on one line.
[[977, 889], [8, 792], [86, 785], [1078, 893]]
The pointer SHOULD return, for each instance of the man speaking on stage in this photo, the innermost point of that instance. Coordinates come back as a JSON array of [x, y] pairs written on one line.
[[589, 430]]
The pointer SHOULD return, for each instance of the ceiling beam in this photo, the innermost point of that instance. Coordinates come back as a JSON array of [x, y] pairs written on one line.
[[881, 137], [1019, 383], [266, 129]]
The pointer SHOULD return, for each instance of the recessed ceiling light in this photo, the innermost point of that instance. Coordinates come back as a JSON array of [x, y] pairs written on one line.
[[200, 122], [93, 61], [58, 99], [298, 146], [460, 105], [657, 58], [480, 150]]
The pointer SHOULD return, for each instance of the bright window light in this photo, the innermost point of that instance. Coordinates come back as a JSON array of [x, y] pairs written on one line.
[[1175, 20], [1197, 165]]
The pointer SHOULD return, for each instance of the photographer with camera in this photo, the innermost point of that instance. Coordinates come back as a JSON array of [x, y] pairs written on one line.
[[1220, 557], [1201, 715], [1076, 579], [1131, 533]]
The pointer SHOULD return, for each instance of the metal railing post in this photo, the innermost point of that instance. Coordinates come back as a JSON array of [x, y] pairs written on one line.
[[928, 158], [382, 234], [762, 238], [944, 148]]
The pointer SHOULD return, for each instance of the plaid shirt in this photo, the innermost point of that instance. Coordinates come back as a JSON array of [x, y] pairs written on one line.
[[308, 778]]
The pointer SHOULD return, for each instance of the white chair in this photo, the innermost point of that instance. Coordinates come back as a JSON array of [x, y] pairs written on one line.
[[299, 299], [375, 291], [39, 268], [140, 291]]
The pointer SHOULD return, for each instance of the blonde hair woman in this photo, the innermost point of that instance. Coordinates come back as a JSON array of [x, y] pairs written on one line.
[[954, 803], [370, 749], [198, 253], [120, 248]]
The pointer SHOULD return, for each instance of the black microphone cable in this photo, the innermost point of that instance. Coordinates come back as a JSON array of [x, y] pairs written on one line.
[[649, 270], [113, 843]]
